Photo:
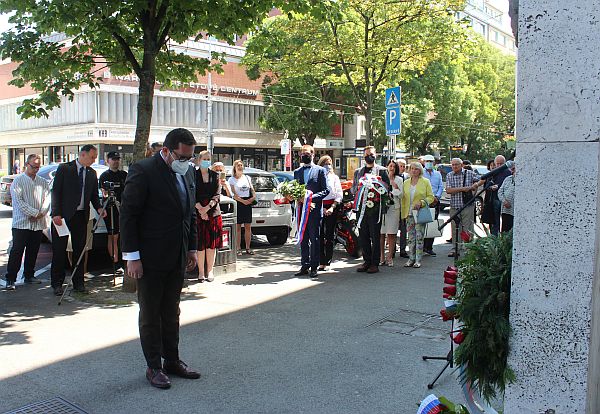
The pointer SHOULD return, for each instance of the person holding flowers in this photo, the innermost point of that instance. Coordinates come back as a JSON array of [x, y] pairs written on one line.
[[370, 188], [417, 194], [310, 207]]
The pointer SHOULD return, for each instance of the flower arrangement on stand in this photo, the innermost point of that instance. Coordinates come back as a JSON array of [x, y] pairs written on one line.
[[291, 190]]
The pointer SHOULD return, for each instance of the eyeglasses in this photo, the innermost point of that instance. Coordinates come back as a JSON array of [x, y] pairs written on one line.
[[33, 167], [181, 157]]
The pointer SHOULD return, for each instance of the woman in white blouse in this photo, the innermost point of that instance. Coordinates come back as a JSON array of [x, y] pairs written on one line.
[[391, 219], [330, 212]]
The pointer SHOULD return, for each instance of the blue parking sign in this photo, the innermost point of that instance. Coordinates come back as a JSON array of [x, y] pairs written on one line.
[[392, 121]]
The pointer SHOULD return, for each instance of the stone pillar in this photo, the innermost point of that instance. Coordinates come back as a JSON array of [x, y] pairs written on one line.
[[554, 346]]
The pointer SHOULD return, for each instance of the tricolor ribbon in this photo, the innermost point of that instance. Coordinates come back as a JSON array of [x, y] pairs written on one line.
[[302, 211], [430, 405]]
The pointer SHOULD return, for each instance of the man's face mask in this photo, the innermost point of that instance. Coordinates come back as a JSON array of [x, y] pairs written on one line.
[[369, 158], [429, 165], [179, 166], [306, 158]]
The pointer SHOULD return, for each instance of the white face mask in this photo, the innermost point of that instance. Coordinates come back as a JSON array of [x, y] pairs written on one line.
[[179, 166], [328, 167]]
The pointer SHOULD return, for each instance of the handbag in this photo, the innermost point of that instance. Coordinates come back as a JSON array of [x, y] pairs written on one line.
[[468, 196], [431, 229], [423, 215]]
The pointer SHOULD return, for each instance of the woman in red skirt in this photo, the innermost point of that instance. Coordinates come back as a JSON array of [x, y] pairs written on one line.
[[210, 224]]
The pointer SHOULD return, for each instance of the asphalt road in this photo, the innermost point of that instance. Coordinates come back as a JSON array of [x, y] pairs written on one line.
[[265, 342]]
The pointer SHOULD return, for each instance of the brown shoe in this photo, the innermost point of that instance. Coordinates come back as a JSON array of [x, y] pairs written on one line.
[[180, 369], [373, 269], [362, 268], [158, 378]]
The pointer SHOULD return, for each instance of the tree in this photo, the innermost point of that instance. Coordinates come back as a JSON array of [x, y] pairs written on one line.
[[465, 100], [366, 45], [125, 35]]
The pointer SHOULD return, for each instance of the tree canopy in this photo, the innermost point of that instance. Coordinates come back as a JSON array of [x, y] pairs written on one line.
[[363, 45], [126, 36]]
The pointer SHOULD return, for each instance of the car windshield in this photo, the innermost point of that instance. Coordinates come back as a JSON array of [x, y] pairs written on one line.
[[264, 183]]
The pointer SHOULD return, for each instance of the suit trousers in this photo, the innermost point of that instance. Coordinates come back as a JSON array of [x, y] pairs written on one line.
[[158, 296], [78, 227], [368, 238], [310, 246], [327, 237], [428, 243], [403, 235], [24, 241]]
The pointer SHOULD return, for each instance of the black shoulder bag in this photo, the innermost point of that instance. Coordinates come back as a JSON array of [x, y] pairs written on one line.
[[466, 196]]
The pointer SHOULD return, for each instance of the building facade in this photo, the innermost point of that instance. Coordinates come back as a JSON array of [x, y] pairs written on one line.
[[490, 19], [106, 117]]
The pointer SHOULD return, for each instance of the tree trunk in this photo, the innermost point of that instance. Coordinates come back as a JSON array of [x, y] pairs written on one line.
[[144, 115]]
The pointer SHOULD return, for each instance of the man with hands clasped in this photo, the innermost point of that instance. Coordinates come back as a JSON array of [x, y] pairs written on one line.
[[158, 236]]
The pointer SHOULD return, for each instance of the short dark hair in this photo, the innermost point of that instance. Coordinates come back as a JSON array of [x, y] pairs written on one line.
[[155, 145], [32, 157], [179, 136], [88, 148]]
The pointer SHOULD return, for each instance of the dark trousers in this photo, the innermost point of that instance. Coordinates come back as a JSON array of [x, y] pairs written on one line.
[[158, 297], [428, 243], [327, 237], [78, 227], [507, 222], [497, 210], [23, 241], [368, 237], [309, 247]]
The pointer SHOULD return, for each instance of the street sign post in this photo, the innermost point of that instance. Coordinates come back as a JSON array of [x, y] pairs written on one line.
[[393, 124]]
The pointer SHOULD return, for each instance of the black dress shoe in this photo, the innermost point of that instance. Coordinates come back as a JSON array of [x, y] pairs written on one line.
[[314, 274], [303, 271], [430, 252], [180, 369], [363, 268], [158, 378], [58, 291], [32, 281]]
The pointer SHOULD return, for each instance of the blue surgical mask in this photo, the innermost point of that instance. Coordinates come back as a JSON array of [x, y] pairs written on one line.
[[205, 164], [429, 165]]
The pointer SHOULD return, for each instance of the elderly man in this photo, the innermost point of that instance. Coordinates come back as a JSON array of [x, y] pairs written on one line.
[[31, 202], [498, 180], [460, 184], [435, 178]]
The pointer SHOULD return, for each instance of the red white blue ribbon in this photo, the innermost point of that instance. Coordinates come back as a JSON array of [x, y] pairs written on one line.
[[303, 210], [430, 405]]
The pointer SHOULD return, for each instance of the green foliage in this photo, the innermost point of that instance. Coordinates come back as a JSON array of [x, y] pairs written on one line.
[[465, 100], [363, 45], [484, 304], [452, 408], [125, 35]]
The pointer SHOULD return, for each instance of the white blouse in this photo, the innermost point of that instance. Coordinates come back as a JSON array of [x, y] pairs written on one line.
[[335, 188]]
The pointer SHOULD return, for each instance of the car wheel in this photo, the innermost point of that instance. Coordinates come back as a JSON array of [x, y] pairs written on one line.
[[278, 239]]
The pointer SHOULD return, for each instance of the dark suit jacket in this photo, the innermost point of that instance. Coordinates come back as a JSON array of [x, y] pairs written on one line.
[[153, 220], [65, 190], [317, 183]]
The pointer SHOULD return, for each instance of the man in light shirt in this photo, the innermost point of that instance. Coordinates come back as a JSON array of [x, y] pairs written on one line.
[[31, 202]]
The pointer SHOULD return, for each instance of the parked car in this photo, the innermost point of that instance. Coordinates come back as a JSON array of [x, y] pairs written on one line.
[[272, 215], [5, 184], [283, 176]]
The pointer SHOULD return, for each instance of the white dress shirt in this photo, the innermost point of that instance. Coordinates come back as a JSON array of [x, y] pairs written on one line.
[[335, 188]]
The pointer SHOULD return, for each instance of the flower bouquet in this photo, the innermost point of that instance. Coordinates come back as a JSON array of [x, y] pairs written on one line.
[[291, 190]]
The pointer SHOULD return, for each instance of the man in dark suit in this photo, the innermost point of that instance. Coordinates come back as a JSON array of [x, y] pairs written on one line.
[[75, 186], [158, 239], [315, 179], [370, 227]]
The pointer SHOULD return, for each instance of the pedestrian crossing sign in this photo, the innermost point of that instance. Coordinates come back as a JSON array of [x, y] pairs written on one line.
[[392, 97]]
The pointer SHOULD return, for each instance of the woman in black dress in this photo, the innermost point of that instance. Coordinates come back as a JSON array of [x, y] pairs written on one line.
[[209, 221], [243, 193]]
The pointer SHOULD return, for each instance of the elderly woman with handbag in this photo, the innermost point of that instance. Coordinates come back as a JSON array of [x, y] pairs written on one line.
[[417, 195]]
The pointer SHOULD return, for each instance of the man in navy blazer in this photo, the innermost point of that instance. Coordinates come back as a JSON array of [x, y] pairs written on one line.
[[315, 179]]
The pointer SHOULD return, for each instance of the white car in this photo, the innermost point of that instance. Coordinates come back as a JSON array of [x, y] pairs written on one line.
[[272, 215]]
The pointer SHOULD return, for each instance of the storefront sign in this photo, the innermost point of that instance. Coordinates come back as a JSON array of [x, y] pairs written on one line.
[[348, 152], [335, 143], [285, 146]]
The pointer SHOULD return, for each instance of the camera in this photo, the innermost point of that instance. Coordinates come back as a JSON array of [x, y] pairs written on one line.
[[110, 185]]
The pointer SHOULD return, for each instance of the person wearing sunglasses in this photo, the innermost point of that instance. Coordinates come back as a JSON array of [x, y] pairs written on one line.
[[31, 202]]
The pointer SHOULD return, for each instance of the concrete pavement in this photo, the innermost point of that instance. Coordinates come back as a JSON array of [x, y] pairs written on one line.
[[265, 342]]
